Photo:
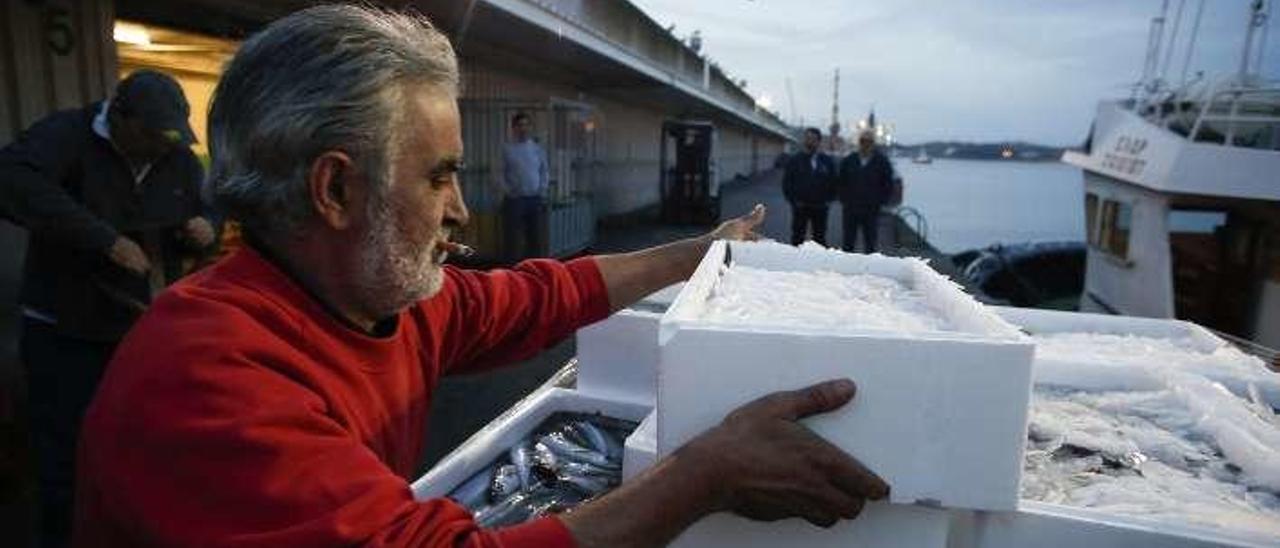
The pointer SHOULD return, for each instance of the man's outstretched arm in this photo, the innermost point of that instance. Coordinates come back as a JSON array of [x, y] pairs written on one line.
[[630, 276]]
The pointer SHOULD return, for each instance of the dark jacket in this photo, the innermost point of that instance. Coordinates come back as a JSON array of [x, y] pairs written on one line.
[[865, 186], [804, 185], [75, 194]]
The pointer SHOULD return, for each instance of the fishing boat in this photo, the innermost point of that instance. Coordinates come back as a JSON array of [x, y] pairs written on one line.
[[922, 157], [1182, 201]]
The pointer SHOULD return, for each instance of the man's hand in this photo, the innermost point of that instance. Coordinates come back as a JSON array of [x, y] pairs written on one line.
[[769, 467], [129, 256], [741, 228], [198, 231], [630, 276]]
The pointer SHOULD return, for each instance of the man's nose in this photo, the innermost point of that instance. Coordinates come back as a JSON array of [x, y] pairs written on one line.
[[455, 208]]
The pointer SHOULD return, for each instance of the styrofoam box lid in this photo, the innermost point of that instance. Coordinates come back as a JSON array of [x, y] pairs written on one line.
[[968, 318], [618, 356], [515, 424]]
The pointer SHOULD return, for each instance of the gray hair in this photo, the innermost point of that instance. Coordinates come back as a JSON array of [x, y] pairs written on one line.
[[325, 78]]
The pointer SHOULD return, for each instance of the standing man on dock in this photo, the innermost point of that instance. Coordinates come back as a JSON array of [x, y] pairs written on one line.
[[524, 180], [865, 185], [808, 184]]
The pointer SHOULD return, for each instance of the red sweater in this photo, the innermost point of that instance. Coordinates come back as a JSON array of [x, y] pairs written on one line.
[[238, 412]]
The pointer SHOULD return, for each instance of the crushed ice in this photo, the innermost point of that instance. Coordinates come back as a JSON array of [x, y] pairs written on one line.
[[1165, 440], [819, 299]]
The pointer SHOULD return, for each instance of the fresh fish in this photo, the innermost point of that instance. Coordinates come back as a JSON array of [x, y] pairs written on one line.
[[567, 450], [506, 481], [598, 439], [522, 458]]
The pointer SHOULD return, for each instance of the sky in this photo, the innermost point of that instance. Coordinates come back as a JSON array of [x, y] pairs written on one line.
[[971, 70]]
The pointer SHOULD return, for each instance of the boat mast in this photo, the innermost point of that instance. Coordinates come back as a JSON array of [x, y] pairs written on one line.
[[1150, 65], [1257, 18], [1191, 45]]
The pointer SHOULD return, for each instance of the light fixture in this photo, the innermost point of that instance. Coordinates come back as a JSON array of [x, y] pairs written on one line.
[[131, 33]]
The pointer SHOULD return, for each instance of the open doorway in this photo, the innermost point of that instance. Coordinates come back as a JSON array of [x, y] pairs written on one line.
[[1216, 259]]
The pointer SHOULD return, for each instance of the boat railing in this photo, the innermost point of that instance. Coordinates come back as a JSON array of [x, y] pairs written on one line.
[[912, 217], [1223, 108], [1264, 353]]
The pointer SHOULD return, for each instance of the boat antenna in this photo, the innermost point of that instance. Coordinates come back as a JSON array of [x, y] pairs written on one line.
[[1153, 37], [1257, 18], [1191, 45], [1262, 43], [835, 111], [1173, 41]]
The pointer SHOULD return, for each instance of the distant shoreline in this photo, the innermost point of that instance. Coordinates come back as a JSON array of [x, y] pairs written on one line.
[[1001, 152]]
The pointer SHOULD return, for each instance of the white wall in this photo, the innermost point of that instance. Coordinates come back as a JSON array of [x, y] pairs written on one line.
[[1142, 286]]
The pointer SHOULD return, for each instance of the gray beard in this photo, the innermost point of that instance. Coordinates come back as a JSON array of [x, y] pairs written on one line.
[[394, 274]]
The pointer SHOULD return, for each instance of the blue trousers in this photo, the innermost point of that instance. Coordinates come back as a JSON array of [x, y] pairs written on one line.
[[62, 376], [523, 227]]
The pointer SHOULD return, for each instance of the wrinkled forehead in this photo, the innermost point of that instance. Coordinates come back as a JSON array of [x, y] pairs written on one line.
[[432, 123]]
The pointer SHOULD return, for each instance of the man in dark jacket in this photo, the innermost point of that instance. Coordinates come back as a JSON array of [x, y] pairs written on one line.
[[808, 184], [110, 195], [865, 185]]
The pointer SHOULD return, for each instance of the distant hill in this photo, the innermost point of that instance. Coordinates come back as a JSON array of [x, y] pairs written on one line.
[[1017, 150]]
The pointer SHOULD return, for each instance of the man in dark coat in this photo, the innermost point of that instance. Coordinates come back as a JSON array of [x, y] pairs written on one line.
[[808, 184], [864, 186], [110, 193]]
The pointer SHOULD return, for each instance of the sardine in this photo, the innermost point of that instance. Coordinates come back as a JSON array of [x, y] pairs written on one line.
[[506, 481], [522, 458], [567, 450]]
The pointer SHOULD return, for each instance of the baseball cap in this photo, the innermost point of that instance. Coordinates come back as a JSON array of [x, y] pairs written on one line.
[[156, 99]]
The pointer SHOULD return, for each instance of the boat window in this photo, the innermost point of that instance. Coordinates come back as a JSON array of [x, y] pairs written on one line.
[[1113, 233], [1192, 221], [1091, 218]]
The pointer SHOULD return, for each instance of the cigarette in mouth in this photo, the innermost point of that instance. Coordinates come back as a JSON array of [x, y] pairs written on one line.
[[457, 249]]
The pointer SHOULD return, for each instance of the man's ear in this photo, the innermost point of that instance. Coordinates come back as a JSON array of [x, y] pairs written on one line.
[[331, 185]]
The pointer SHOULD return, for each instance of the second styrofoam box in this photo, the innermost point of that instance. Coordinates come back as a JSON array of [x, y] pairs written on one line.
[[941, 416], [884, 525], [641, 448], [618, 357], [505, 431]]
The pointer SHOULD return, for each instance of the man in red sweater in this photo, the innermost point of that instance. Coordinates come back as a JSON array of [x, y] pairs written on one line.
[[279, 398]]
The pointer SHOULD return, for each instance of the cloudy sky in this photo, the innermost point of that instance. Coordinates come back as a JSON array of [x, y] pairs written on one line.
[[953, 69]]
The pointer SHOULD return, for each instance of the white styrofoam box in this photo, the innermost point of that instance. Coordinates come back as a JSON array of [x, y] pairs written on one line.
[[1046, 525], [508, 429], [641, 448], [1087, 372], [941, 416], [618, 357], [664, 296], [879, 525]]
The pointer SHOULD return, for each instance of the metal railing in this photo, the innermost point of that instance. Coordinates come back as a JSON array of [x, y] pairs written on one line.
[[909, 215], [1223, 106], [1266, 354]]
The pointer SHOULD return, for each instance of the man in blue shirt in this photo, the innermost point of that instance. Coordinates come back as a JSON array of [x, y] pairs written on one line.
[[524, 182]]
